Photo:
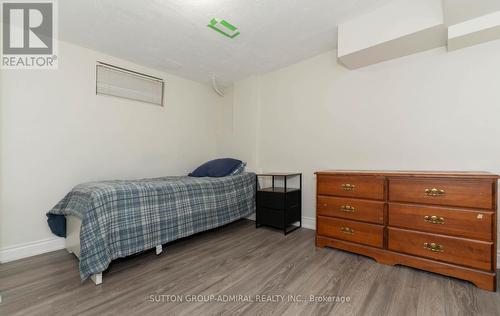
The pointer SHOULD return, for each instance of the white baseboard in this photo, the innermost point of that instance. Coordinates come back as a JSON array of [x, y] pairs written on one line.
[[31, 249], [309, 222]]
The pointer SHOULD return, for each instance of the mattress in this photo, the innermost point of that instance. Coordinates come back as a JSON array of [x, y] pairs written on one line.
[[124, 217]]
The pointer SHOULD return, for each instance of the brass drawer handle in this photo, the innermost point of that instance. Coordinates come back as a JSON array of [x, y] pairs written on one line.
[[347, 208], [347, 230], [434, 192], [347, 186], [434, 219], [433, 247]]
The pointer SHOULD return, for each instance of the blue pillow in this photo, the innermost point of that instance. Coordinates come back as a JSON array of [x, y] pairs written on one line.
[[57, 224], [239, 170], [217, 168]]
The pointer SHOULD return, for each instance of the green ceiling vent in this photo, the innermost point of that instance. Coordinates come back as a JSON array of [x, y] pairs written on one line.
[[224, 27]]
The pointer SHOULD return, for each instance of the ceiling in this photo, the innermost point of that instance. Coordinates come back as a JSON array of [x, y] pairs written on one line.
[[172, 36], [456, 11]]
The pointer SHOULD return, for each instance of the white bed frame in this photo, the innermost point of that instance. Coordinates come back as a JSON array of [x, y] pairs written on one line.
[[73, 225]]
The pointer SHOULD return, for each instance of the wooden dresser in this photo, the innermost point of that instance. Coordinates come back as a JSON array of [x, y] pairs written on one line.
[[443, 222]]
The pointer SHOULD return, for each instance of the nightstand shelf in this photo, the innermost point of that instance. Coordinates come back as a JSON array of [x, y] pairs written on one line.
[[279, 207]]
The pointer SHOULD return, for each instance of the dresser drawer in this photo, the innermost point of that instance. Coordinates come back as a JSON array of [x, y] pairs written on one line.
[[368, 234], [351, 186], [465, 252], [475, 194], [360, 210], [441, 220]]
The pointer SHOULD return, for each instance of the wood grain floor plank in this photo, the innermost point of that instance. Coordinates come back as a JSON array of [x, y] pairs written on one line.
[[237, 260]]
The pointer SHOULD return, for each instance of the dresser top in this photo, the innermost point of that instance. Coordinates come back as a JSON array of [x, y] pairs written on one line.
[[399, 173]]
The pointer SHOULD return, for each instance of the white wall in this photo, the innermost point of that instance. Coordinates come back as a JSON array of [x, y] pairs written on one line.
[[429, 111], [433, 110], [55, 133], [238, 128]]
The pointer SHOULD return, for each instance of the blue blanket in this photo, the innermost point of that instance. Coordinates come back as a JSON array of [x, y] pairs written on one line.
[[120, 218]]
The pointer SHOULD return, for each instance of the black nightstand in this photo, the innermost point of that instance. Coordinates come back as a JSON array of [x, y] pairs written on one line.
[[279, 207]]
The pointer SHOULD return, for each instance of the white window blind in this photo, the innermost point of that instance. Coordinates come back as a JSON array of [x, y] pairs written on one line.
[[128, 84]]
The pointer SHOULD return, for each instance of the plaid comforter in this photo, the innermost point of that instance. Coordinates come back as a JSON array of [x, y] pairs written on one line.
[[120, 218]]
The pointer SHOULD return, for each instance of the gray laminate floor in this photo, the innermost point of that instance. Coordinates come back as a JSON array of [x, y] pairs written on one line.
[[238, 259]]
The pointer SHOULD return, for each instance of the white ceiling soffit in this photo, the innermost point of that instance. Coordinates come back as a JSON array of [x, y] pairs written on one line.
[[398, 29], [172, 35], [404, 27], [475, 31], [457, 11]]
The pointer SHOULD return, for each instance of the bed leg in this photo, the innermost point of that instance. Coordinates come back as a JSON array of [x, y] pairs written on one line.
[[159, 249], [96, 278]]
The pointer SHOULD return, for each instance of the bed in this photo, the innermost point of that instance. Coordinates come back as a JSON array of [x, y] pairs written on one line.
[[107, 220]]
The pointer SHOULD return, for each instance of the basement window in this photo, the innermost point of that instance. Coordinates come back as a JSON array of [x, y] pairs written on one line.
[[124, 83]]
